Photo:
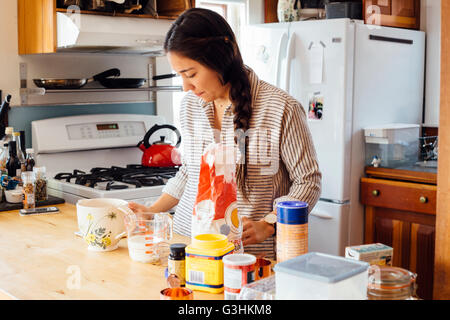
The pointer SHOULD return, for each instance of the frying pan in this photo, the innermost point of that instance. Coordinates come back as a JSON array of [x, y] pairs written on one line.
[[73, 83], [114, 83]]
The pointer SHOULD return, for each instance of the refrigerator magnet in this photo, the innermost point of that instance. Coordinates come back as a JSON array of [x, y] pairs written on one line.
[[315, 109]]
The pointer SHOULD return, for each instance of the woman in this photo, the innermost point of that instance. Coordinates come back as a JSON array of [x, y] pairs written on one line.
[[226, 102]]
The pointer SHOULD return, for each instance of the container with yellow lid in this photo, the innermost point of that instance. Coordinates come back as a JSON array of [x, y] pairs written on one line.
[[204, 266]]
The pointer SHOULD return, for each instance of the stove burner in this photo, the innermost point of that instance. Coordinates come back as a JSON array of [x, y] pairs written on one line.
[[68, 176], [133, 174], [110, 186]]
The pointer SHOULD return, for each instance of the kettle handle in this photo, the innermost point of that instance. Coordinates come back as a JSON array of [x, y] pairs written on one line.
[[155, 128]]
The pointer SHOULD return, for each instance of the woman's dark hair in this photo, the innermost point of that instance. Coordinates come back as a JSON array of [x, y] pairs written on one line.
[[205, 36]]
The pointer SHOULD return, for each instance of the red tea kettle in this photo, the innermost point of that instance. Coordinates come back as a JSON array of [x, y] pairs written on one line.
[[160, 153]]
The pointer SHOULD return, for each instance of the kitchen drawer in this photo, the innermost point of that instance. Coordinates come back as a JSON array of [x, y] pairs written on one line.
[[399, 195]]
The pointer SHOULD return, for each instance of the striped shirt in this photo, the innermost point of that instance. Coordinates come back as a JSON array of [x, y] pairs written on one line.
[[281, 159]]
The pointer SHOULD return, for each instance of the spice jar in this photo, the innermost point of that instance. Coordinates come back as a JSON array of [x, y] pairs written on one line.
[[41, 183], [177, 262], [28, 191], [391, 283]]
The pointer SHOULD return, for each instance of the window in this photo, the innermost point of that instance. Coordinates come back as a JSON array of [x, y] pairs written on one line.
[[233, 11], [220, 8]]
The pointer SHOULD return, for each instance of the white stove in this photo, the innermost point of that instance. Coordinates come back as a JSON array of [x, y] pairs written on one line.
[[96, 156]]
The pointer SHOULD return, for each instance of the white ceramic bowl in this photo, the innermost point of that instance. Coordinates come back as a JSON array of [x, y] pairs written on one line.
[[13, 196]]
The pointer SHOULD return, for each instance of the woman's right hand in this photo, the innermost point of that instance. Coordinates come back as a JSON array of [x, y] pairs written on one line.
[[138, 208]]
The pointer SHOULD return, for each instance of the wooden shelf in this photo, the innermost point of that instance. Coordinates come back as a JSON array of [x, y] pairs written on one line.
[[118, 14]]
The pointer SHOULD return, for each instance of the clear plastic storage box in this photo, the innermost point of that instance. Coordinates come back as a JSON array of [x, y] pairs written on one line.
[[263, 289], [394, 145], [319, 276]]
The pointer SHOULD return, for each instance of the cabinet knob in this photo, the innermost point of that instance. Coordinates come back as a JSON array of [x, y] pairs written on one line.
[[423, 199], [375, 193]]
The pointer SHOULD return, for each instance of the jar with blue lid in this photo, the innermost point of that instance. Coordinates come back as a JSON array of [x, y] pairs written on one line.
[[292, 229]]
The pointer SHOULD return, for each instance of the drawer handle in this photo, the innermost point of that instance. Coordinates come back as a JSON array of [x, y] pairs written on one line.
[[375, 193], [423, 199]]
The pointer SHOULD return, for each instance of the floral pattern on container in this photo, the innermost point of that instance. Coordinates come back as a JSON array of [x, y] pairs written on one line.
[[98, 237], [288, 10]]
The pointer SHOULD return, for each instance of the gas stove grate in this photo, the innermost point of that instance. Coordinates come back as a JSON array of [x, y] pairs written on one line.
[[114, 177]]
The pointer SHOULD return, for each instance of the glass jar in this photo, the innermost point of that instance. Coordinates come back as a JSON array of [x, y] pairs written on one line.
[[28, 190], [41, 183], [391, 283]]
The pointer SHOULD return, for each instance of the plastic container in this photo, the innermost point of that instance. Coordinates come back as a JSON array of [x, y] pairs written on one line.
[[204, 265], [238, 270], [319, 276], [394, 144], [391, 283], [292, 229], [14, 196], [263, 289]]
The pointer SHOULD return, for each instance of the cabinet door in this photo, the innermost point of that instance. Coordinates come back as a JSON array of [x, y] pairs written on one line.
[[173, 7], [393, 13], [385, 6], [411, 235], [403, 8], [37, 26]]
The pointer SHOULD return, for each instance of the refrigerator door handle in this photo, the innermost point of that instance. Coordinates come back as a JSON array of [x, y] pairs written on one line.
[[390, 39], [321, 214], [278, 58], [290, 56]]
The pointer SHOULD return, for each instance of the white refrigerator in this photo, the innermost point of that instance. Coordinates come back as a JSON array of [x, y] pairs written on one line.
[[347, 75]]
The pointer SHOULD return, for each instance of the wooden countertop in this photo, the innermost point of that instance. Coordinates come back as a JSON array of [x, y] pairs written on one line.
[[40, 258]]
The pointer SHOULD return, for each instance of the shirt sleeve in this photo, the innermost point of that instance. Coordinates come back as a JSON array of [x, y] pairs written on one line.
[[299, 157], [175, 186]]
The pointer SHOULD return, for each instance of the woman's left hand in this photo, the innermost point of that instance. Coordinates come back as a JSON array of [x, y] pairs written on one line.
[[255, 231]]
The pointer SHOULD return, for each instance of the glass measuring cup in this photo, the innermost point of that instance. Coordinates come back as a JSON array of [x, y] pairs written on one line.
[[148, 236]]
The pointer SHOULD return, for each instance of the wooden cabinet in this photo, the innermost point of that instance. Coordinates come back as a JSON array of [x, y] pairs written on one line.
[[393, 13], [173, 8], [37, 26], [37, 21], [270, 11], [400, 211]]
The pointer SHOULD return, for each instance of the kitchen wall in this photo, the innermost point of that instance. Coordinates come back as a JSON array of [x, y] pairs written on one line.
[[62, 66]]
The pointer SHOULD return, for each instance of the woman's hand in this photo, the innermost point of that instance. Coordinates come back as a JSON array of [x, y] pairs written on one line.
[[139, 208], [255, 231]]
